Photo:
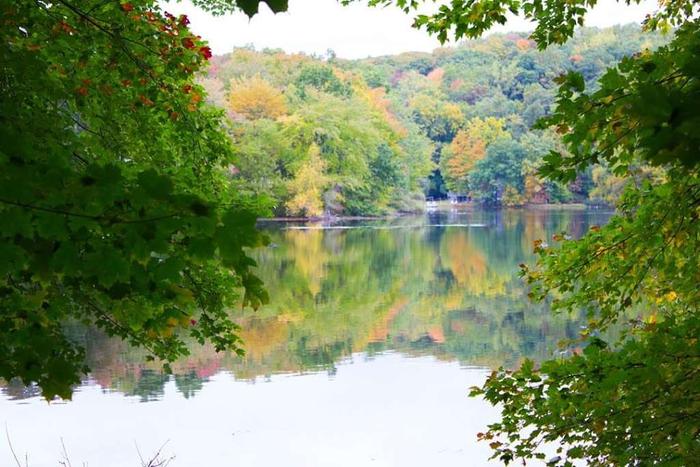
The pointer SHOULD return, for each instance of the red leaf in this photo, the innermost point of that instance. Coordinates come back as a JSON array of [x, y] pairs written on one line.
[[145, 100], [188, 43], [206, 52]]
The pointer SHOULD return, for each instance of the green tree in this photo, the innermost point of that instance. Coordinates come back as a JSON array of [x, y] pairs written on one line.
[[264, 160], [116, 202], [500, 169], [322, 78]]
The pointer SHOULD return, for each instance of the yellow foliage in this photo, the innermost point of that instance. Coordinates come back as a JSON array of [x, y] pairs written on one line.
[[263, 337], [310, 258], [255, 98], [607, 187], [307, 186], [453, 112], [465, 152], [511, 197], [487, 129], [534, 191]]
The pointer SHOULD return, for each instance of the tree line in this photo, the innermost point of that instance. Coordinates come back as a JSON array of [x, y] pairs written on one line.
[[322, 135]]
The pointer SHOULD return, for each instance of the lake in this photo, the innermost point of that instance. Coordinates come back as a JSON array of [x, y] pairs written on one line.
[[365, 355]]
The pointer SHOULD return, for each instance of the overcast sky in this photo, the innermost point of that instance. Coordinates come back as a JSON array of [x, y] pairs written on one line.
[[356, 31]]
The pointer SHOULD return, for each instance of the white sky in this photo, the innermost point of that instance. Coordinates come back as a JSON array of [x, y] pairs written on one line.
[[355, 31]]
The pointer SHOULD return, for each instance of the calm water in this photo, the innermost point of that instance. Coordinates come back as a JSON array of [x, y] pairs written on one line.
[[375, 332]]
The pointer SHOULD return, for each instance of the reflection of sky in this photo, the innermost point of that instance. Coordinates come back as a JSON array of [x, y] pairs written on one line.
[[389, 410]]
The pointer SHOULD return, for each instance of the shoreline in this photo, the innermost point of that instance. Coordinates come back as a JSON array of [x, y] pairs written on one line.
[[442, 207]]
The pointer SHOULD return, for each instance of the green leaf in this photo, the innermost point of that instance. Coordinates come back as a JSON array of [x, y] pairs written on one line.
[[156, 185]]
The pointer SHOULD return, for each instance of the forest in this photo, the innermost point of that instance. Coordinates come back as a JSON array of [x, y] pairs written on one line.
[[319, 136]]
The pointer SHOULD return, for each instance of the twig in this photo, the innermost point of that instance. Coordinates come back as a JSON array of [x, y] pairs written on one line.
[[155, 461], [66, 459], [98, 218], [12, 449]]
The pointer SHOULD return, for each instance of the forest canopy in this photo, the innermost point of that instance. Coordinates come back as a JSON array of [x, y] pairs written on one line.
[[391, 131]]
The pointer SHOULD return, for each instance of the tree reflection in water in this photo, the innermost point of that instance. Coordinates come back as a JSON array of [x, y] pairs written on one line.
[[444, 285]]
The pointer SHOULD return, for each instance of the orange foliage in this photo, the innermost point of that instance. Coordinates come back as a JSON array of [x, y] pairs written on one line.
[[377, 99], [523, 44], [466, 262], [436, 75], [470, 266], [381, 329], [436, 334]]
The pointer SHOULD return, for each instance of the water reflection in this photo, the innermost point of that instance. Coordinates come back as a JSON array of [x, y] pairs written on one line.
[[442, 285], [389, 322]]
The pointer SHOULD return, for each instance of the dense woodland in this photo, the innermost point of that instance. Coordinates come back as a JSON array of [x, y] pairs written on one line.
[[321, 135]]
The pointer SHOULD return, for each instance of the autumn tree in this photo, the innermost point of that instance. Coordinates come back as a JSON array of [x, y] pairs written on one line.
[[458, 160], [467, 148], [487, 129], [255, 98], [440, 120], [376, 157], [307, 186], [607, 187]]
